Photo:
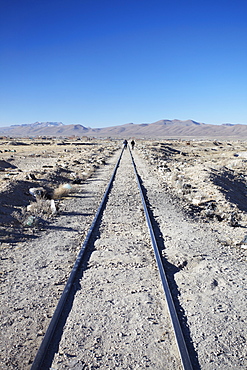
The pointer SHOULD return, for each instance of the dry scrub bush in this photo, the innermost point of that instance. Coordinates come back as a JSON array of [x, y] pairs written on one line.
[[41, 208], [35, 213], [62, 191]]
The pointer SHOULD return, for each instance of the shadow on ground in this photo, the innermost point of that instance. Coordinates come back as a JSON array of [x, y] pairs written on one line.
[[233, 187], [13, 234]]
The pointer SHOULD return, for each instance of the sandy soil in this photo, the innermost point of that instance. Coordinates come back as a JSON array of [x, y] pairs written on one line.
[[197, 196]]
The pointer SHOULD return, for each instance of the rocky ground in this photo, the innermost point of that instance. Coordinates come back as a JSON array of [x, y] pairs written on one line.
[[42, 164], [36, 257], [208, 179], [197, 194]]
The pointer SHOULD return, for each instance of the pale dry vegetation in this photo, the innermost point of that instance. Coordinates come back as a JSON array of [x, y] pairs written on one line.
[[36, 174]]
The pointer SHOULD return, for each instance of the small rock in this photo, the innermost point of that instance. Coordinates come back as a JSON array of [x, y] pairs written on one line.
[[182, 265], [243, 246], [53, 207], [243, 243], [214, 284], [37, 192], [30, 221], [233, 220]]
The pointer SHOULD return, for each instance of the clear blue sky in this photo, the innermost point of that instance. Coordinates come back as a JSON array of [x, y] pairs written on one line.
[[103, 63]]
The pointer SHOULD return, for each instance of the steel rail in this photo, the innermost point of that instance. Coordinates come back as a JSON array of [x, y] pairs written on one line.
[[182, 348], [42, 351]]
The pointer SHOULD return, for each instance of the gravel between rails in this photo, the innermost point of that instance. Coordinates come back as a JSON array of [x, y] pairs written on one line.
[[119, 317]]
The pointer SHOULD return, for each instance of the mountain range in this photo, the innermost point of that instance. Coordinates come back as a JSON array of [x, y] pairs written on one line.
[[160, 129]]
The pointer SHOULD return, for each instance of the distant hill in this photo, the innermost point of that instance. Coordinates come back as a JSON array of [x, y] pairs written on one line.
[[43, 129], [160, 129]]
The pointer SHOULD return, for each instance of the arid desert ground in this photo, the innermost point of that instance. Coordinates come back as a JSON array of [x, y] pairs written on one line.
[[197, 192]]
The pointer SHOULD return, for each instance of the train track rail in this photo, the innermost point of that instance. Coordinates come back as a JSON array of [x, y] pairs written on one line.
[[40, 359], [182, 348]]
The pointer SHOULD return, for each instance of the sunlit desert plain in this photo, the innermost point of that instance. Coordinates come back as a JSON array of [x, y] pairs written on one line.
[[44, 181]]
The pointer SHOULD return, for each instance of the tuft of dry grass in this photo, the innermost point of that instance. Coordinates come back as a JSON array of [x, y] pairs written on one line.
[[62, 191]]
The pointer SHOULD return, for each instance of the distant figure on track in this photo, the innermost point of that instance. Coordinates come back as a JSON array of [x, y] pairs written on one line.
[[132, 144], [125, 142]]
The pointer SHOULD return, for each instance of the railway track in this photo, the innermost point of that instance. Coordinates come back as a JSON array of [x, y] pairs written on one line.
[[118, 318]]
